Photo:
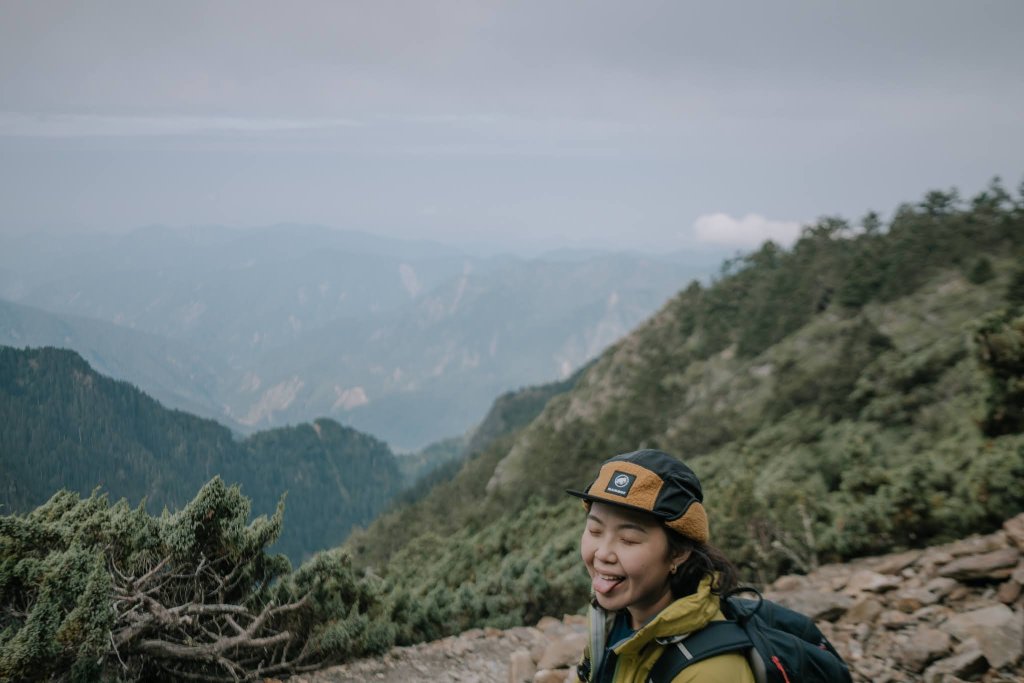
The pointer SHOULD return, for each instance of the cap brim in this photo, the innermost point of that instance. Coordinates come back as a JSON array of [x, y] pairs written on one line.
[[598, 499]]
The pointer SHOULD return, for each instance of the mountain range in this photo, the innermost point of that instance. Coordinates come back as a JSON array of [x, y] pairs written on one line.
[[258, 328]]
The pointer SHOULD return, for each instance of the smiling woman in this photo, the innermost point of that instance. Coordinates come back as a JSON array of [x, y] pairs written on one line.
[[654, 577]]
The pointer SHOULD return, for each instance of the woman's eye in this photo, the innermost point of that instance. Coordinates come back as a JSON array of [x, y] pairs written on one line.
[[630, 541]]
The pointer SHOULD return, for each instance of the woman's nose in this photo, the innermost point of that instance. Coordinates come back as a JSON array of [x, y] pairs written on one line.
[[605, 552]]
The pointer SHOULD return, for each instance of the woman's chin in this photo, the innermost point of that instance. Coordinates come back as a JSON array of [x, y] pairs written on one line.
[[611, 602]]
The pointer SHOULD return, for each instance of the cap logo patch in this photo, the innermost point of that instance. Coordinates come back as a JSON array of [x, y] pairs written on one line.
[[620, 483]]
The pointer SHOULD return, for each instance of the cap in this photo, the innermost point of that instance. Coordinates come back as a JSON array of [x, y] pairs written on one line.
[[654, 482]]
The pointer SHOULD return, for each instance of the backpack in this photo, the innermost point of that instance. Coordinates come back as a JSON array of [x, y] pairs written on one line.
[[781, 646]]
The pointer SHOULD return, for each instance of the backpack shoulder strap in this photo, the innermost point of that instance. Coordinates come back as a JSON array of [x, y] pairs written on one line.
[[717, 638]]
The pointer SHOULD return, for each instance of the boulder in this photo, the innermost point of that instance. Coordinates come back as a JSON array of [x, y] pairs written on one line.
[[941, 586], [893, 564], [864, 611], [894, 619], [563, 651], [547, 624], [998, 630], [977, 545], [910, 600], [1014, 528], [789, 582], [872, 582], [1008, 592], [997, 564], [521, 667], [815, 604], [966, 665], [924, 646], [551, 676]]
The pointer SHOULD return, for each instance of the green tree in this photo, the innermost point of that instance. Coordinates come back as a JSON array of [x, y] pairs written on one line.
[[94, 591]]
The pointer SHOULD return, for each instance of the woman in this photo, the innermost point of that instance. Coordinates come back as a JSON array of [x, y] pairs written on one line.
[[654, 577]]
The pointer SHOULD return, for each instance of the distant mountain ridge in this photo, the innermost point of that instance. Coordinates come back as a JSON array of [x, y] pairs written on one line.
[[173, 372], [63, 425], [407, 340]]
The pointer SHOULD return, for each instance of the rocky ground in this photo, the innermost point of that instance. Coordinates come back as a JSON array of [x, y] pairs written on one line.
[[941, 615]]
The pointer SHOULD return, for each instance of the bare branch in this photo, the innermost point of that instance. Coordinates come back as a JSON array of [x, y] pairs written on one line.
[[152, 572]]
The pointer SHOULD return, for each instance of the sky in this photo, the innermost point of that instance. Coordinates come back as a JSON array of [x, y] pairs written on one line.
[[653, 126]]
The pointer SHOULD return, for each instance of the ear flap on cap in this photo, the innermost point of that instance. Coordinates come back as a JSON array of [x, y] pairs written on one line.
[[694, 524]]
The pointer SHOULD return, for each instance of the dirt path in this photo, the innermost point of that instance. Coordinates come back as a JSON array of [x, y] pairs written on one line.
[[477, 656]]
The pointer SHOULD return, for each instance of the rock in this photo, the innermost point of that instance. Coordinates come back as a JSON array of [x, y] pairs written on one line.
[[789, 582], [574, 620], [998, 564], [893, 564], [563, 651], [472, 634], [521, 667], [815, 604], [941, 586], [864, 611], [869, 581], [551, 676], [964, 665], [894, 619], [924, 646], [547, 624], [934, 557], [998, 630], [1008, 592], [1014, 528], [932, 614], [912, 599], [958, 593], [977, 545], [539, 648]]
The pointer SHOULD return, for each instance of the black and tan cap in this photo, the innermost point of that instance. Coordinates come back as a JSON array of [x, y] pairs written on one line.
[[654, 482]]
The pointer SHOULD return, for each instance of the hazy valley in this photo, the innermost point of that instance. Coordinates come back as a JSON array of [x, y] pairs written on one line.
[[261, 328]]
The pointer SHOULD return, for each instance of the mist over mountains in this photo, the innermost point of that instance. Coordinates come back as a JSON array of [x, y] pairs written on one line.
[[259, 328]]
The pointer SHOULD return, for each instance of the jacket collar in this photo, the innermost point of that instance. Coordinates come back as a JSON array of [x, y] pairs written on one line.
[[685, 615]]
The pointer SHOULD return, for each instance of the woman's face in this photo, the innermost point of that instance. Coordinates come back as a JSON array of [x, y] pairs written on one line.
[[626, 554]]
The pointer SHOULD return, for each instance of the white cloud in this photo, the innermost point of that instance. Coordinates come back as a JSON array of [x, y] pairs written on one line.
[[750, 231]]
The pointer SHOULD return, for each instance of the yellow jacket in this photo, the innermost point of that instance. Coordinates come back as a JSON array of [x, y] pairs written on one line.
[[638, 654]]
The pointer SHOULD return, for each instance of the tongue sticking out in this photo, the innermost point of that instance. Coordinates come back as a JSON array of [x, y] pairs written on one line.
[[603, 585]]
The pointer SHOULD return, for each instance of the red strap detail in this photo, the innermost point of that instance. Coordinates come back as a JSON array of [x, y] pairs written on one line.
[[778, 665]]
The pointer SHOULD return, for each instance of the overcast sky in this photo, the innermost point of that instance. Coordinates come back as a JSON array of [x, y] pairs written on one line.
[[648, 125]]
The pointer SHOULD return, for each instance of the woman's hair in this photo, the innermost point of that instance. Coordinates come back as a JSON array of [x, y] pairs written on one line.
[[703, 560]]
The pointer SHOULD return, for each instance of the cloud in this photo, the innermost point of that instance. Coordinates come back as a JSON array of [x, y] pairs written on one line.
[[15, 124], [749, 231]]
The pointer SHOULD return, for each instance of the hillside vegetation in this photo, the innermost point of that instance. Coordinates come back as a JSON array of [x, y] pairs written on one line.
[[858, 393], [67, 427]]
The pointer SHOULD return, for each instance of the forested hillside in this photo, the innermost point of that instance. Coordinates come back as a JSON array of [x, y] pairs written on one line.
[[858, 393], [66, 426]]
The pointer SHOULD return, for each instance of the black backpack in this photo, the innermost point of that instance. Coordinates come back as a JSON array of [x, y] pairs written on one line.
[[782, 646]]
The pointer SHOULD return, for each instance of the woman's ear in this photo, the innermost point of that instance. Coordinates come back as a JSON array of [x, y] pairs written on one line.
[[680, 559]]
